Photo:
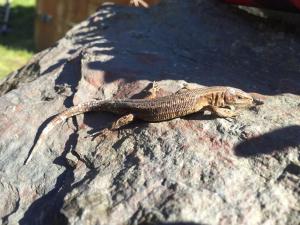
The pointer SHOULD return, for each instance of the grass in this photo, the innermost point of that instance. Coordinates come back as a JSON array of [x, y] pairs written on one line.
[[17, 46]]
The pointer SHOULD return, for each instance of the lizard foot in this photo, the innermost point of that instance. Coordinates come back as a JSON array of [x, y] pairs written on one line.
[[230, 119], [103, 134], [136, 3]]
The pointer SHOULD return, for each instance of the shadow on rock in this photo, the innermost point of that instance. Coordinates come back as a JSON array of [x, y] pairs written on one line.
[[274, 141], [46, 210], [253, 63]]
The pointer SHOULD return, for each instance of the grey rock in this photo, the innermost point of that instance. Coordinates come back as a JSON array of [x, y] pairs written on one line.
[[192, 170]]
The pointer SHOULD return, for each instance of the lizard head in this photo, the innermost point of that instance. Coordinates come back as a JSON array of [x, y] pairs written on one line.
[[237, 97]]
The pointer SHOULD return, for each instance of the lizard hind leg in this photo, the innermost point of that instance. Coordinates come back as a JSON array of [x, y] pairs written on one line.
[[152, 92], [124, 120], [128, 118], [186, 87], [137, 3]]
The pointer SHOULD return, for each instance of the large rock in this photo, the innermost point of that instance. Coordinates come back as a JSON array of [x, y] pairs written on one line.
[[192, 170]]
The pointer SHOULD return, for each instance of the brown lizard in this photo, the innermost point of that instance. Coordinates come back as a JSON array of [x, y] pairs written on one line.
[[219, 100]]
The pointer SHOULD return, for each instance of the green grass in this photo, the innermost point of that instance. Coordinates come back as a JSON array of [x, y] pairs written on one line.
[[17, 46]]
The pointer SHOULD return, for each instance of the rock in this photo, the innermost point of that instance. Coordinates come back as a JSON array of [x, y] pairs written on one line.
[[192, 170]]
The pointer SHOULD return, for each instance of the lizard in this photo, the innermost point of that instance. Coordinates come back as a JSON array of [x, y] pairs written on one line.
[[219, 100]]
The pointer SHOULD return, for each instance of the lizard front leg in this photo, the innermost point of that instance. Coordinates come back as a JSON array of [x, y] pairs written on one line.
[[222, 112]]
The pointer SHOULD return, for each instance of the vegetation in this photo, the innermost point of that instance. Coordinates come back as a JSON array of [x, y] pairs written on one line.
[[17, 46]]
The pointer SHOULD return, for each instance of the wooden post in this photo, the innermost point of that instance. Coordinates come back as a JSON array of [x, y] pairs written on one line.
[[55, 17]]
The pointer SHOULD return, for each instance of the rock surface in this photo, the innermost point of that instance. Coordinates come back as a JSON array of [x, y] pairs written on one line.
[[192, 170]]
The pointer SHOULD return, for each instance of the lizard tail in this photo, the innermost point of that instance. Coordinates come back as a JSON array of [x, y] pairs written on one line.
[[60, 118]]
